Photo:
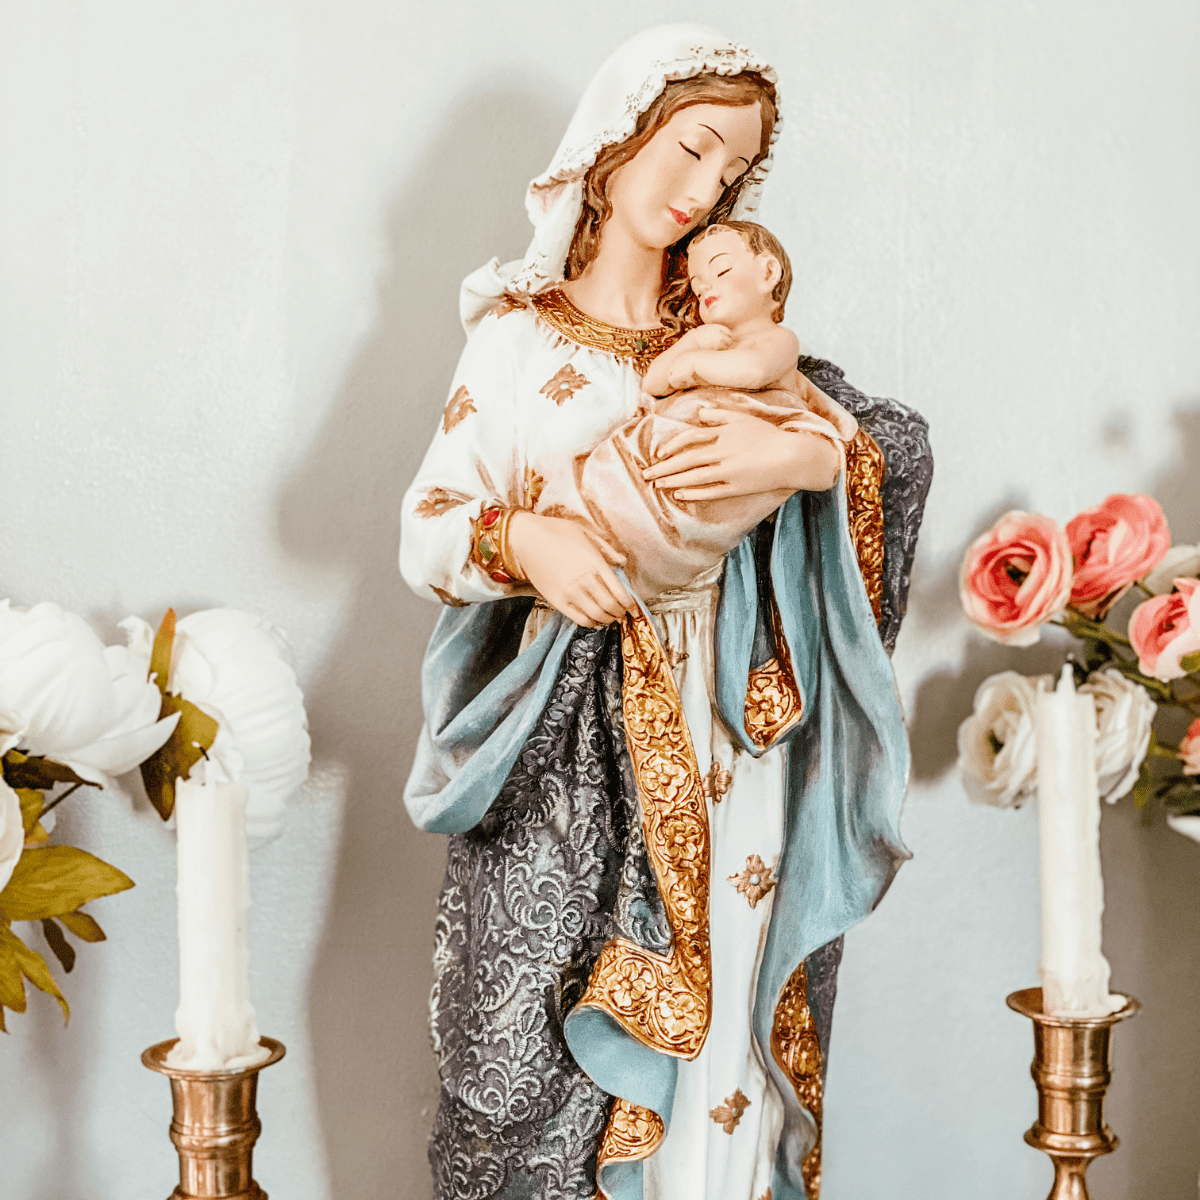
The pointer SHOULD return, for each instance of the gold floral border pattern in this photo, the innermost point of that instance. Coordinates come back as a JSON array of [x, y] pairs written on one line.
[[643, 346], [632, 1133], [773, 703], [865, 467], [663, 1001], [797, 1050]]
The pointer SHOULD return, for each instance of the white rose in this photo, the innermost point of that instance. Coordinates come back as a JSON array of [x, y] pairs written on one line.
[[12, 832], [997, 744], [233, 666], [1124, 716], [1180, 562], [64, 695]]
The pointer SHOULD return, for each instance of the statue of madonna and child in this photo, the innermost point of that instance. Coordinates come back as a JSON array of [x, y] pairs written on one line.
[[661, 727]]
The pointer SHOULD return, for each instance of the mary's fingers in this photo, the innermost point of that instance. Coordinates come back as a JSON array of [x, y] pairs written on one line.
[[578, 615], [609, 581], [719, 416], [598, 599], [693, 436], [718, 491], [695, 477], [685, 460]]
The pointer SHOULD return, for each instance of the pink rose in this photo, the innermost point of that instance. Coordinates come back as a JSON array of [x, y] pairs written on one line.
[[1166, 630], [1016, 577], [1189, 749], [1113, 544]]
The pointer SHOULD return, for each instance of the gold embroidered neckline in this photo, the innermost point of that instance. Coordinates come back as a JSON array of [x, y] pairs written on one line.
[[642, 346]]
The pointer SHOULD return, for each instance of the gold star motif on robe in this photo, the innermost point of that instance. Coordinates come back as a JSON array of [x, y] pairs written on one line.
[[458, 408], [729, 1113], [755, 881]]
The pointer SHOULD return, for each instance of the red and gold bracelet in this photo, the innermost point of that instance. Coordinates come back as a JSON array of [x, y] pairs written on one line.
[[489, 544]]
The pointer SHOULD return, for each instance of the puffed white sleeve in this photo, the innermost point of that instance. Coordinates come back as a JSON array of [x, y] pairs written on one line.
[[471, 462]]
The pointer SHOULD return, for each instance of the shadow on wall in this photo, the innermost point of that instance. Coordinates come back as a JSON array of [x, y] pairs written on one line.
[[376, 1080], [1152, 889]]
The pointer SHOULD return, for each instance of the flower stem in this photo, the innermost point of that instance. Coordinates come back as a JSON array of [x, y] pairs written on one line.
[[59, 799]]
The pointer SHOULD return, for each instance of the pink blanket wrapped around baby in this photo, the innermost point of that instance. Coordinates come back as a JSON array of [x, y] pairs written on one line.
[[668, 542]]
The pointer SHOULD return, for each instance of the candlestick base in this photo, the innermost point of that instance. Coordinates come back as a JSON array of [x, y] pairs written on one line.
[[1071, 1067], [215, 1125]]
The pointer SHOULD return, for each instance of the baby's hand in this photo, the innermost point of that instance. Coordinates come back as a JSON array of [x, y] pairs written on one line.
[[707, 337]]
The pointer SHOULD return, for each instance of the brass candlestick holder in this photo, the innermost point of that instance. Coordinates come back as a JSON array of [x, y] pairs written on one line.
[[1071, 1067], [215, 1125]]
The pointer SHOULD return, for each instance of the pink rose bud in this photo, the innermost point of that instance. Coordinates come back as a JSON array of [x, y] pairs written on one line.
[[1113, 544], [1165, 630], [1189, 749], [1016, 577]]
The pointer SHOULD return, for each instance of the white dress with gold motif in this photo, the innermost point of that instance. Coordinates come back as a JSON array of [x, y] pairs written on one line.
[[537, 385]]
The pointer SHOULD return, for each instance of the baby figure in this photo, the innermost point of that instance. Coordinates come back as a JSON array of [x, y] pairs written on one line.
[[740, 360]]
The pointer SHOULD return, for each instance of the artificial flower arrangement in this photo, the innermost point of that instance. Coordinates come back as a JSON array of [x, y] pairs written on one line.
[[1027, 572], [75, 714]]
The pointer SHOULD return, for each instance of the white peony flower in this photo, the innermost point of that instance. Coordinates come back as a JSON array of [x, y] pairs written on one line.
[[233, 666], [12, 832], [1180, 562], [1124, 715], [997, 744], [64, 695]]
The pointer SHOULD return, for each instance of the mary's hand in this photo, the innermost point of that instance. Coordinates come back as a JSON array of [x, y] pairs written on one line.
[[739, 455], [568, 569]]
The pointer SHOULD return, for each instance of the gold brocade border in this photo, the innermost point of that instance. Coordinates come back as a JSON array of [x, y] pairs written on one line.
[[865, 467], [643, 346], [632, 1133], [797, 1050], [664, 1001], [773, 702]]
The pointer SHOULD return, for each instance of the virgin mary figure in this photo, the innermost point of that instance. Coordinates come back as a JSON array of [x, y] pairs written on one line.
[[664, 811]]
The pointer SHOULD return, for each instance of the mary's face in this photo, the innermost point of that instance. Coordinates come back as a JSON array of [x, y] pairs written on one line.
[[672, 183]]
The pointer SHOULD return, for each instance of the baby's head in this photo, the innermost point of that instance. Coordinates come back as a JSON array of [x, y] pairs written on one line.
[[738, 272]]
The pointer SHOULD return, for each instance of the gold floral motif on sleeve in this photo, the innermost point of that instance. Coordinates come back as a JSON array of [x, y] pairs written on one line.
[[865, 467], [565, 383], [508, 303], [437, 501], [458, 408], [664, 1001], [797, 1050]]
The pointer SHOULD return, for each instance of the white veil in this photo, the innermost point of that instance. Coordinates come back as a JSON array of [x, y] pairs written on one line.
[[624, 87]]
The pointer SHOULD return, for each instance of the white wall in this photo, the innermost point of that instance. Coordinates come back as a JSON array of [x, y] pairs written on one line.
[[231, 236]]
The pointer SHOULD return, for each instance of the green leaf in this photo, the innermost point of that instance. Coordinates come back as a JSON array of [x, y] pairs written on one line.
[[1190, 662], [1181, 794], [84, 926], [61, 948], [12, 984], [56, 880], [32, 965], [23, 771], [191, 737], [31, 806], [160, 656], [1142, 788]]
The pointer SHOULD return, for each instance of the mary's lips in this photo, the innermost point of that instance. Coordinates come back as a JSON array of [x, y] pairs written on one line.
[[680, 218], [709, 300]]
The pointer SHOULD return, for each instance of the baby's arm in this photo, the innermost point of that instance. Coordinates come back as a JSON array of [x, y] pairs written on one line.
[[710, 338], [755, 364]]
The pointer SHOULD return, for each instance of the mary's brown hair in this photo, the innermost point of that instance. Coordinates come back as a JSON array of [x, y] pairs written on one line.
[[676, 304]]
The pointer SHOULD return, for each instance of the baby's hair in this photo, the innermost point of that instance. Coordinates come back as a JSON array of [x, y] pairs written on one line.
[[761, 241]]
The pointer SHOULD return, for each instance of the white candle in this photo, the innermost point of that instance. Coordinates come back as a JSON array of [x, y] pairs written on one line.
[[1074, 971], [215, 1022]]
